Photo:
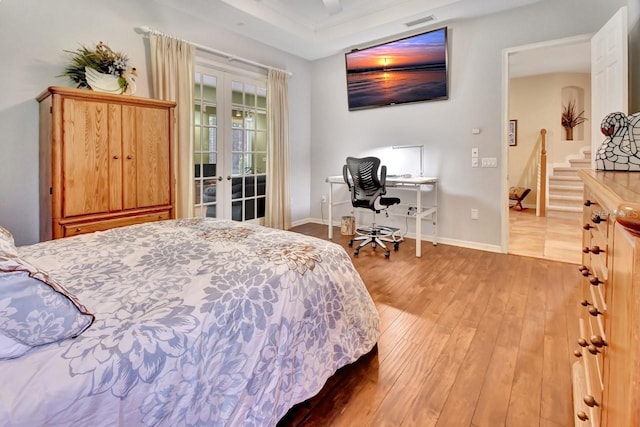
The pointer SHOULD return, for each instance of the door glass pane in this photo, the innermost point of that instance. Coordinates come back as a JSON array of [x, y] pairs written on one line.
[[262, 98], [236, 188], [249, 209], [236, 211]]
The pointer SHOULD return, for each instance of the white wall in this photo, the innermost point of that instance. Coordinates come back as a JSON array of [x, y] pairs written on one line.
[[475, 55], [33, 35]]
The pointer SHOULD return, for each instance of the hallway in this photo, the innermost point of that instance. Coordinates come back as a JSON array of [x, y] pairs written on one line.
[[555, 239]]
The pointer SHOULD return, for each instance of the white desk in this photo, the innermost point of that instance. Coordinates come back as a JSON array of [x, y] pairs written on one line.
[[409, 183]]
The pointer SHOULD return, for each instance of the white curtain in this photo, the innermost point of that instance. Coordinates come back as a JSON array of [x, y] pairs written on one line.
[[172, 74], [278, 209]]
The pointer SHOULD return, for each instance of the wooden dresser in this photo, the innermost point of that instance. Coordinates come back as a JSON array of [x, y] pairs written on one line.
[[606, 374], [105, 161]]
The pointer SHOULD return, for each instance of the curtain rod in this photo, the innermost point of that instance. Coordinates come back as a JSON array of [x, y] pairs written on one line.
[[230, 57]]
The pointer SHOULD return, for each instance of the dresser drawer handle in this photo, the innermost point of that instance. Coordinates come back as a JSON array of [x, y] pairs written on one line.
[[597, 219], [582, 416], [582, 342], [595, 281], [594, 311], [584, 270], [78, 229], [588, 227], [585, 303], [116, 157], [588, 203], [598, 341], [577, 353], [590, 401], [593, 349], [594, 249]]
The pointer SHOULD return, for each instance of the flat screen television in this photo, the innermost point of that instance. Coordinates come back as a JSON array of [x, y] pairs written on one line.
[[411, 69]]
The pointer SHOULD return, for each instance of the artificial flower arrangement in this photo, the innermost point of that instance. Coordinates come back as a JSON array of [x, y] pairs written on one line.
[[571, 119], [101, 69]]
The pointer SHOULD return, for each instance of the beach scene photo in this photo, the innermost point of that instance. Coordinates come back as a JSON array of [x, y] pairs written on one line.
[[412, 69]]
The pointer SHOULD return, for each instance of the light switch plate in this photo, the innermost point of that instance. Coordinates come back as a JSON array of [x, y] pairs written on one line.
[[489, 162]]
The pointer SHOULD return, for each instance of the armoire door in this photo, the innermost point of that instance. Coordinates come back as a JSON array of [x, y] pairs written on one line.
[[146, 157], [88, 178]]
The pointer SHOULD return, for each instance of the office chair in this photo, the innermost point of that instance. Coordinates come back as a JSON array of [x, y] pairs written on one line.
[[367, 189]]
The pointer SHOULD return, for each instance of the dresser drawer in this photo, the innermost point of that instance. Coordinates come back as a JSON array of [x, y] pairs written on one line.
[[592, 394], [595, 216], [72, 229]]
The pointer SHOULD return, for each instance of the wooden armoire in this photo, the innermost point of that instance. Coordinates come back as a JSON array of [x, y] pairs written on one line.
[[105, 161]]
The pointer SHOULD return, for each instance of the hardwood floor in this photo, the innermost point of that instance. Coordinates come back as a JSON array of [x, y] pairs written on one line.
[[468, 338], [548, 238]]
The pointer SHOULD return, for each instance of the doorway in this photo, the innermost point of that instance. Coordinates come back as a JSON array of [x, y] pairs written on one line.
[[537, 73], [609, 87]]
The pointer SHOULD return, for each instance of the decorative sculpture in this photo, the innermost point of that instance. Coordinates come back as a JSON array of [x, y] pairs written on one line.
[[619, 151]]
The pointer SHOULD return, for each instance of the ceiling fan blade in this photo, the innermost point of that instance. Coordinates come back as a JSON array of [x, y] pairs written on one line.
[[333, 6]]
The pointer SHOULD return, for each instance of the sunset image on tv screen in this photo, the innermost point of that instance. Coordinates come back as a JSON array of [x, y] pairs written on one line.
[[411, 69]]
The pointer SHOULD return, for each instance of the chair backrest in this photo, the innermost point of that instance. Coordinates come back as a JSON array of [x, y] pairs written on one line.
[[361, 175]]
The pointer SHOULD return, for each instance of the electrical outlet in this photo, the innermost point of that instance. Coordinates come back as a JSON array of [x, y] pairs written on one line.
[[489, 162], [474, 162], [474, 213], [474, 152]]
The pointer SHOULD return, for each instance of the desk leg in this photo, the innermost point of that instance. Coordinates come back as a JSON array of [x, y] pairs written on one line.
[[434, 216], [330, 231], [418, 222]]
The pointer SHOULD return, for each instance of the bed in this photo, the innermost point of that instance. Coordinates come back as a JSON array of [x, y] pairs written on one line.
[[182, 322]]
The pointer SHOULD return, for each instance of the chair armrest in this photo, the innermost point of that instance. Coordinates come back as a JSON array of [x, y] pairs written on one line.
[[345, 175]]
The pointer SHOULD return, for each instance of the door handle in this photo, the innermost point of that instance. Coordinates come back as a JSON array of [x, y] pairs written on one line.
[[220, 178], [228, 177]]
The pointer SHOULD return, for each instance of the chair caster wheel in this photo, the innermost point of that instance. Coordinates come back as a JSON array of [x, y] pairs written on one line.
[[387, 254], [396, 246], [351, 243], [356, 252]]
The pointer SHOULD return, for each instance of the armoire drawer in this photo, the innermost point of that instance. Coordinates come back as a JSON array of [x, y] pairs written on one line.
[[72, 229]]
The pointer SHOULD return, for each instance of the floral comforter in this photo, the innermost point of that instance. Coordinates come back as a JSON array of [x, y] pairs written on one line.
[[199, 322]]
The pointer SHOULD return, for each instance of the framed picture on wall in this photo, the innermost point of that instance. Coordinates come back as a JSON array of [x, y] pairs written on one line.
[[513, 133]]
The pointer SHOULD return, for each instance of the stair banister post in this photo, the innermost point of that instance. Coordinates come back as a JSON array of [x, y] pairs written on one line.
[[542, 176]]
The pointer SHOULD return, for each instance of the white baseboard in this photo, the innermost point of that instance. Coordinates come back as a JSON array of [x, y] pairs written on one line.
[[446, 241]]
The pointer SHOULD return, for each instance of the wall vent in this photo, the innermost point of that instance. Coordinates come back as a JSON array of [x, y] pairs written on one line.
[[420, 21]]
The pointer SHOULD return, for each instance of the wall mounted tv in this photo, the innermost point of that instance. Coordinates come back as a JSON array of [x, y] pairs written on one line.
[[411, 69]]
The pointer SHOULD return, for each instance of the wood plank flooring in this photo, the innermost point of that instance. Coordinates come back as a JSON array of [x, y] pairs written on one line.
[[468, 338], [557, 239]]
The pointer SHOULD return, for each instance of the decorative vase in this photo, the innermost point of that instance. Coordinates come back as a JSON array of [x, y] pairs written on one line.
[[569, 133], [108, 83]]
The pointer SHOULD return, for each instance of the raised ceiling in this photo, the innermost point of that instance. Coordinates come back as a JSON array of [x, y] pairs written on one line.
[[314, 29]]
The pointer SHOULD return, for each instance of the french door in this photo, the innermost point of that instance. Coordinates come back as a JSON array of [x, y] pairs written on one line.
[[230, 145]]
